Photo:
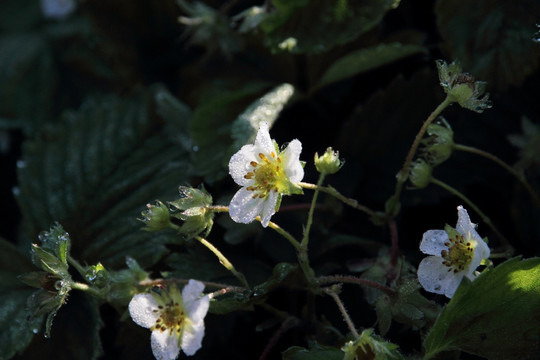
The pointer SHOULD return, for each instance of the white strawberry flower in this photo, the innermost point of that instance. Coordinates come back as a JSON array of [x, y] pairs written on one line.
[[265, 174], [454, 254], [176, 321]]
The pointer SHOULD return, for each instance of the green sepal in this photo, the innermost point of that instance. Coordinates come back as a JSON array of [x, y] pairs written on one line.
[[49, 262], [370, 346]]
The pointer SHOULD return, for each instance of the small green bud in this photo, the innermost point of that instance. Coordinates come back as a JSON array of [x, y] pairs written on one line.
[[420, 173], [462, 87], [194, 213], [97, 275], [329, 162], [439, 144], [156, 217]]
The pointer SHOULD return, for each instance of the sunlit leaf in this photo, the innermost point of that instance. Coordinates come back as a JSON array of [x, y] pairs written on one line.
[[496, 316]]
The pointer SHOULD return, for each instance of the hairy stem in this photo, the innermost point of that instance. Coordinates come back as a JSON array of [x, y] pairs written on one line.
[[343, 311], [305, 239], [355, 280], [333, 192], [76, 265], [223, 260], [518, 175], [403, 174], [472, 205]]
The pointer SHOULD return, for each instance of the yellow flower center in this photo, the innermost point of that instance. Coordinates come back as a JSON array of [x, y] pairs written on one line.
[[171, 317], [459, 254], [268, 175]]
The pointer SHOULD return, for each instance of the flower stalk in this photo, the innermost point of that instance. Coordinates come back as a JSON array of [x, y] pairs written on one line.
[[473, 206], [518, 175], [223, 260]]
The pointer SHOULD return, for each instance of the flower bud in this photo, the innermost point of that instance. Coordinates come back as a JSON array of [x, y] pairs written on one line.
[[156, 217], [420, 173], [439, 144], [462, 88], [329, 162], [194, 213]]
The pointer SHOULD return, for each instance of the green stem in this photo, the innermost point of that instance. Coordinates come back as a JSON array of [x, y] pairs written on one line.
[[218, 208], [472, 205], [507, 167], [76, 265], [301, 253], [343, 311], [285, 234], [87, 288], [223, 260], [404, 172], [309, 222], [355, 280], [333, 192]]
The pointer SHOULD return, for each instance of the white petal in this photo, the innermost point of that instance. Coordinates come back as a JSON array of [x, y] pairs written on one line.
[[244, 208], [192, 338], [239, 165], [291, 158], [263, 141], [433, 242], [141, 309], [434, 276], [164, 345], [192, 291], [269, 208], [481, 252], [465, 226], [195, 306]]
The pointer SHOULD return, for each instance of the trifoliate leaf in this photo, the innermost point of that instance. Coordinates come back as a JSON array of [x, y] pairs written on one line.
[[496, 316], [291, 26], [492, 39], [16, 331], [95, 172], [363, 60]]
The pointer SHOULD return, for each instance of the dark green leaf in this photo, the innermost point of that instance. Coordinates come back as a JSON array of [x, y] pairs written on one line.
[[291, 25], [75, 334], [94, 173], [496, 316], [28, 80], [316, 352], [16, 331], [363, 60], [492, 39], [212, 149], [19, 14]]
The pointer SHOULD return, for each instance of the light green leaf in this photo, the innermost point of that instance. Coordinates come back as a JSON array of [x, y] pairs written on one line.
[[496, 316], [266, 109], [491, 39], [211, 129], [16, 331], [291, 26], [94, 172], [363, 60]]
